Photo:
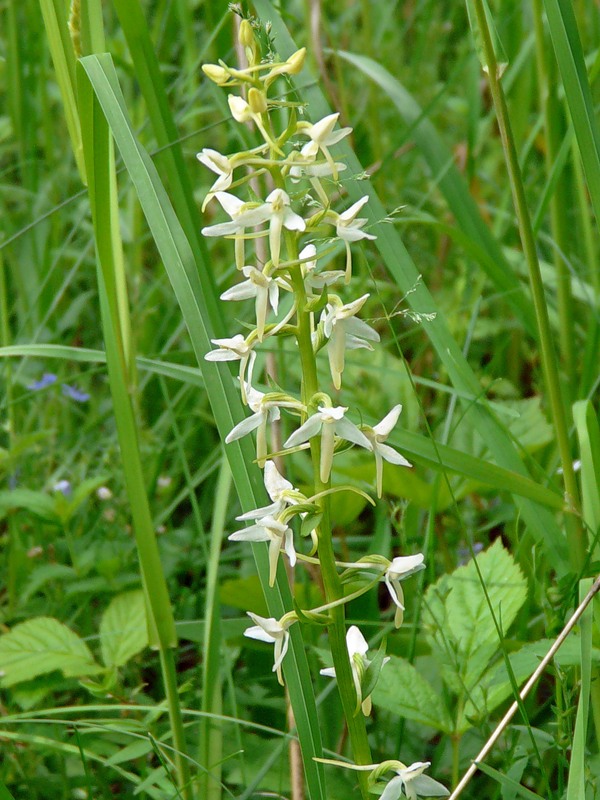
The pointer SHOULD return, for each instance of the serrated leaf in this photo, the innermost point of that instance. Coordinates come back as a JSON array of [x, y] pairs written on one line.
[[42, 645], [123, 628], [458, 618], [403, 691]]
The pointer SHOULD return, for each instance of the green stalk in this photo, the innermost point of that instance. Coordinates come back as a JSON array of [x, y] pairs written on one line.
[[575, 534], [331, 582], [100, 170], [552, 111]]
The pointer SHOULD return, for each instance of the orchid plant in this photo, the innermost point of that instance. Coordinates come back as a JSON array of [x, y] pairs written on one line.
[[297, 222]]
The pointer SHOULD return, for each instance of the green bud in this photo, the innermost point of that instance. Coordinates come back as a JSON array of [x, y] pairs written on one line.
[[296, 61]]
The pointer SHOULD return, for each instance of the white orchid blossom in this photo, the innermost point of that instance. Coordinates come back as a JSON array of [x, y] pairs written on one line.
[[377, 436], [243, 215], [401, 567], [235, 349], [275, 632], [343, 329], [281, 492], [263, 288], [412, 784], [279, 536], [322, 137], [281, 216], [357, 651], [349, 228], [219, 164], [314, 281], [328, 422], [266, 409]]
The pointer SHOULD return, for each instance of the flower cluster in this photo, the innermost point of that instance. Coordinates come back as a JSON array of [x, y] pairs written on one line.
[[296, 223]]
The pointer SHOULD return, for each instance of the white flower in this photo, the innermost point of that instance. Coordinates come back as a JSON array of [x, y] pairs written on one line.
[[411, 782], [219, 164], [281, 492], [357, 651], [349, 228], [322, 137], [401, 567], [377, 436], [243, 215], [263, 288], [302, 165], [279, 536], [281, 216], [343, 330], [328, 421], [234, 349], [308, 265], [272, 631], [266, 409]]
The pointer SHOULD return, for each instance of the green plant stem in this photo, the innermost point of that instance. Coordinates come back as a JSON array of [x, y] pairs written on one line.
[[575, 532], [552, 111], [331, 581]]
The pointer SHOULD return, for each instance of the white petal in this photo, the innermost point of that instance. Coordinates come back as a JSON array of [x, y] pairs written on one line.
[[332, 414], [221, 355], [329, 672], [252, 534], [256, 632], [231, 204], [348, 430], [394, 789], [275, 483], [269, 625], [305, 432], [222, 229], [391, 455], [242, 291], [244, 427], [350, 213], [356, 642], [387, 424], [337, 136], [258, 513], [323, 127], [405, 565], [293, 221]]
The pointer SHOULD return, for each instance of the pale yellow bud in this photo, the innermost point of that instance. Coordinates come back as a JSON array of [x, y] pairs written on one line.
[[296, 61], [246, 34], [216, 73], [257, 101]]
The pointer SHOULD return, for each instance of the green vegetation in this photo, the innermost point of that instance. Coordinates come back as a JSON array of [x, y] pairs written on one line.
[[124, 668]]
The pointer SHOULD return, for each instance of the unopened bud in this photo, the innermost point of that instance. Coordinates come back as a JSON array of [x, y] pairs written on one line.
[[216, 73], [246, 34], [257, 101], [296, 61]]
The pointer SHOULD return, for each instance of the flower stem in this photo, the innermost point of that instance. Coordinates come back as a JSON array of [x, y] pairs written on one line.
[[331, 581]]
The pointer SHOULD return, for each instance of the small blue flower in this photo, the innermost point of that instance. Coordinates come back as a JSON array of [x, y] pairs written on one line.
[[74, 393], [47, 379], [64, 487]]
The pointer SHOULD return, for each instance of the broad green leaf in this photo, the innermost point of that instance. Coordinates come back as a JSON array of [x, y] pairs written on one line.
[[123, 628], [458, 614], [39, 504], [42, 645], [402, 690]]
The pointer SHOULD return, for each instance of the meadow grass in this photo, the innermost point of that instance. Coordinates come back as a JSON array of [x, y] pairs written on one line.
[[124, 666]]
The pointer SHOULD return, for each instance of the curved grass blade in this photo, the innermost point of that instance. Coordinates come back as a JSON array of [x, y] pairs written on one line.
[[177, 256]]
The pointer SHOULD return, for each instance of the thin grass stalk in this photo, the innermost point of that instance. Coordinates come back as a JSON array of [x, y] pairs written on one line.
[[100, 170], [552, 111], [575, 534], [211, 730]]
